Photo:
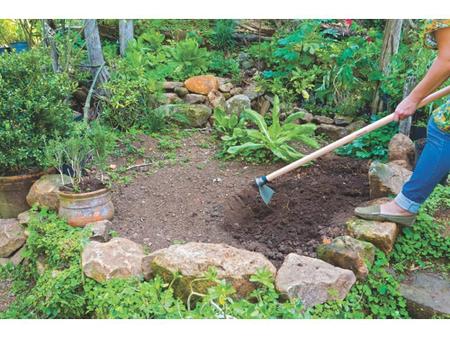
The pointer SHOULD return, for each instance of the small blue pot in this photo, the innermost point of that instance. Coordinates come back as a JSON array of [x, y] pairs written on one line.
[[19, 47]]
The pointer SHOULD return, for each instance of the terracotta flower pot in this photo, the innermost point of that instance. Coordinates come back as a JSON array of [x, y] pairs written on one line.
[[80, 209], [13, 193]]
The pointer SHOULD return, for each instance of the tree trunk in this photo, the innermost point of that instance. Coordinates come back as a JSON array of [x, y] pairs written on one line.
[[125, 34], [405, 125], [49, 41], [94, 48], [391, 43]]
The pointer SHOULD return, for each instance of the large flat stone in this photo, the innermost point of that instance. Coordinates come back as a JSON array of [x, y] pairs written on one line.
[[332, 131], [427, 294], [380, 234], [118, 258], [312, 280], [192, 260], [12, 236]]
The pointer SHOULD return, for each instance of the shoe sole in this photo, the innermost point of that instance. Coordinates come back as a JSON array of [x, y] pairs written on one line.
[[383, 218]]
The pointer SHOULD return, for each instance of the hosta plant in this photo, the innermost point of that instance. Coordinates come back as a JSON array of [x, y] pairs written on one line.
[[277, 136]]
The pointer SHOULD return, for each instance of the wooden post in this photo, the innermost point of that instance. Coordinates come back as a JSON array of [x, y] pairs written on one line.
[[94, 48], [49, 41], [405, 125], [125, 34], [391, 43]]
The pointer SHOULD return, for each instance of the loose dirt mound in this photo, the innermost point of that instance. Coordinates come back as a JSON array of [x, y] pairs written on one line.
[[308, 208]]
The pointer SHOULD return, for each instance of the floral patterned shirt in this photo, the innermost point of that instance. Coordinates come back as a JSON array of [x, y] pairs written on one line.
[[441, 115]]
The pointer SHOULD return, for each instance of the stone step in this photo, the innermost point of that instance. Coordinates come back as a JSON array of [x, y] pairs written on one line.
[[380, 234], [386, 179], [349, 253], [427, 294]]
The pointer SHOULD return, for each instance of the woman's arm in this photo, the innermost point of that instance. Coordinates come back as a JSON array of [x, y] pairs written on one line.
[[436, 75]]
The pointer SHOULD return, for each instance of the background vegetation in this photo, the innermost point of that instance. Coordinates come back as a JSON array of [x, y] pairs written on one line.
[[326, 67]]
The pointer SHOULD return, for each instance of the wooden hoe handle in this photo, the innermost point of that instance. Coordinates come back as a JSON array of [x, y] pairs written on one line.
[[347, 139]]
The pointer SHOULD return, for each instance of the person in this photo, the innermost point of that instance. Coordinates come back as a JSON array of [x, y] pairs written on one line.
[[434, 162]]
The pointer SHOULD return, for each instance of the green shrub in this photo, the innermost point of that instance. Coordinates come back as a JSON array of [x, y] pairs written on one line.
[[134, 95], [371, 146], [222, 66], [321, 68], [222, 36], [34, 108]]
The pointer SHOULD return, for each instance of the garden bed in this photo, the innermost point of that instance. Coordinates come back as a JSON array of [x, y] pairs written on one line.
[[190, 201]]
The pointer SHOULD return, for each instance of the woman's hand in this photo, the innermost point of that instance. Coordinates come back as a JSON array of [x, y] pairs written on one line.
[[406, 108]]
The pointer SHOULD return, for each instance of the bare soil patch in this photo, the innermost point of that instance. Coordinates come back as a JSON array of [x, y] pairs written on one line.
[[190, 201], [308, 208]]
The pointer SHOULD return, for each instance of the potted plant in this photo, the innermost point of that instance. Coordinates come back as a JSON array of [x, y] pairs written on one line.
[[34, 107], [87, 198]]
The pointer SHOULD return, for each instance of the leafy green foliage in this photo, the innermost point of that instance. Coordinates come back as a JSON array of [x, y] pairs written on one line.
[[224, 123], [132, 299], [57, 291], [135, 93], [377, 297], [89, 145], [317, 60], [223, 66], [9, 31], [263, 302], [373, 145], [188, 59], [34, 108], [425, 242], [276, 136], [222, 36], [349, 83]]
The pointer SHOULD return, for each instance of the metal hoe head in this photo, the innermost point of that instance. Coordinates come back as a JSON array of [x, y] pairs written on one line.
[[265, 191]]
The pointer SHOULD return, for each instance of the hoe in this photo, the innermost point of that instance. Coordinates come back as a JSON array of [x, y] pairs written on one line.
[[267, 192]]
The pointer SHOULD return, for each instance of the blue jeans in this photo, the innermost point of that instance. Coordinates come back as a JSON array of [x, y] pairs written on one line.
[[432, 167]]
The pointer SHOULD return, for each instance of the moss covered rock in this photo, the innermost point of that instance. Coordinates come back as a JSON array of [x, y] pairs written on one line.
[[348, 253], [380, 234], [193, 259], [196, 114]]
